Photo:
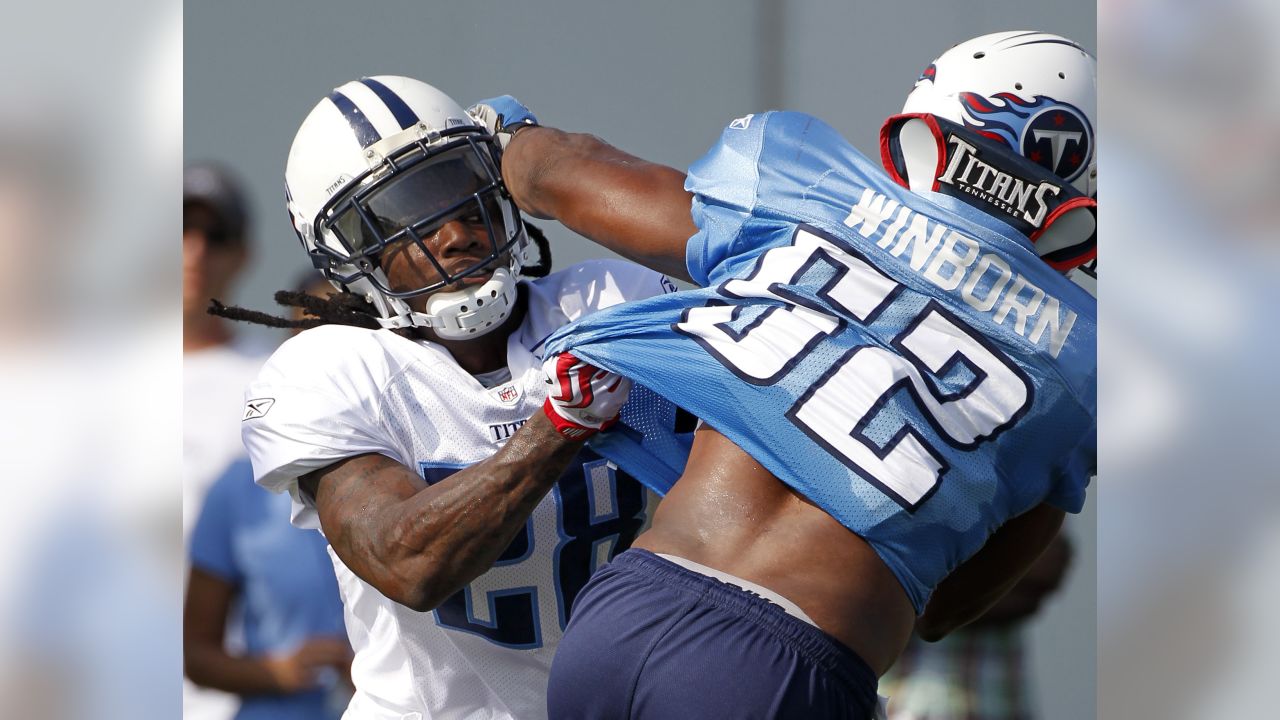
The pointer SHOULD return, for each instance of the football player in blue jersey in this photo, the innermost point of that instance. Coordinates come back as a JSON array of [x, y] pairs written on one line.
[[896, 381]]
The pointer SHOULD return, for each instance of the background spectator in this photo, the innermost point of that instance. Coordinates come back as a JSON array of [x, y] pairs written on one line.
[[216, 367], [244, 553]]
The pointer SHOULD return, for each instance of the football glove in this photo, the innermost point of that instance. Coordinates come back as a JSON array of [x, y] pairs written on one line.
[[502, 116], [582, 399]]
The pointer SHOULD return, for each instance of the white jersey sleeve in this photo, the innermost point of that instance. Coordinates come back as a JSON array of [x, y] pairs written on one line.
[[315, 402]]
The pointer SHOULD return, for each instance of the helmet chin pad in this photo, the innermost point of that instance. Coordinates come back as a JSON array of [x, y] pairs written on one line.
[[473, 311]]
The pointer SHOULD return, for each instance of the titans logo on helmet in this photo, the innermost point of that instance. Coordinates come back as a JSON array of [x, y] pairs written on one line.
[[1054, 134]]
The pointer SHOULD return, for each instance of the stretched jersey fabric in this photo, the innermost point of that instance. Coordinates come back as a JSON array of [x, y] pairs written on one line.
[[337, 391], [902, 359]]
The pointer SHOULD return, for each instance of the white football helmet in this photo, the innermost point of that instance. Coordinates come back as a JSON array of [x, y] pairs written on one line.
[[387, 160], [1035, 92]]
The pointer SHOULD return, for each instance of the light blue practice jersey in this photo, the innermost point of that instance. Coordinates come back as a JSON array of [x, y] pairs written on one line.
[[901, 359]]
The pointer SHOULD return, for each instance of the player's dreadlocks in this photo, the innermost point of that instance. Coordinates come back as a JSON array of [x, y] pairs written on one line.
[[348, 308]]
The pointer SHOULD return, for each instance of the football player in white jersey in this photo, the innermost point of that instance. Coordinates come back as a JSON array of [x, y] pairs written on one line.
[[460, 534]]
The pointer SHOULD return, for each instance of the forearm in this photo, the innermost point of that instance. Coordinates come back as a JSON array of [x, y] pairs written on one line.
[[208, 664], [462, 529], [430, 544], [634, 207], [974, 587]]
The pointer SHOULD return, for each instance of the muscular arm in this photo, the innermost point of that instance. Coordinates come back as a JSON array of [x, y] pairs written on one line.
[[981, 580], [419, 544], [636, 208]]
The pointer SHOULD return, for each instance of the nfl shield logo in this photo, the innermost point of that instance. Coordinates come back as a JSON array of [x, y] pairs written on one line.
[[507, 394]]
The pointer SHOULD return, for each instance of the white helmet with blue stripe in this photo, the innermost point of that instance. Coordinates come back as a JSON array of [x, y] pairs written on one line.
[[388, 160], [1032, 91]]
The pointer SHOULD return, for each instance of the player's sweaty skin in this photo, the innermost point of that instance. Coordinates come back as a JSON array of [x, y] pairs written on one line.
[[730, 513], [726, 512]]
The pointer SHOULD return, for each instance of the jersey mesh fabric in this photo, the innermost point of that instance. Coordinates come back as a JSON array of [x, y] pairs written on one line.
[[643, 441], [339, 391], [437, 657], [786, 182]]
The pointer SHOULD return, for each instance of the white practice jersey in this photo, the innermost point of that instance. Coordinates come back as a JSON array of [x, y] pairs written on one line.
[[336, 391]]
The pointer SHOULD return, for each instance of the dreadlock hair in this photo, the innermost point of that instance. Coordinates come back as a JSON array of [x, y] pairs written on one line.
[[342, 308], [543, 267], [346, 307]]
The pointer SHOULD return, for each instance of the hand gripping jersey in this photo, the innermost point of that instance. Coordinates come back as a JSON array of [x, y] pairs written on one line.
[[902, 359], [338, 391]]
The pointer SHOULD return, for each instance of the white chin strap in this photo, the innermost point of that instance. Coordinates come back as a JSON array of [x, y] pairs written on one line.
[[468, 313]]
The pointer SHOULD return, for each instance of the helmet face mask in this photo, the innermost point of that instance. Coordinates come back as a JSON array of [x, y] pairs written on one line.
[[375, 171], [407, 201]]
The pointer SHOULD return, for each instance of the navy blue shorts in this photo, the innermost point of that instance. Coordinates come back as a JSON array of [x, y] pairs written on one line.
[[651, 639]]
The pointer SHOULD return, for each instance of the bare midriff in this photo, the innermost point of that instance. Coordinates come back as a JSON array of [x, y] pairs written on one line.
[[729, 513]]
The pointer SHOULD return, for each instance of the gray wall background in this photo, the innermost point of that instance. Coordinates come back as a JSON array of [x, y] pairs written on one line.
[[659, 79]]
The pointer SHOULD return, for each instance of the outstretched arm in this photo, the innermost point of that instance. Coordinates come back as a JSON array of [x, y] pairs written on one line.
[[636, 208]]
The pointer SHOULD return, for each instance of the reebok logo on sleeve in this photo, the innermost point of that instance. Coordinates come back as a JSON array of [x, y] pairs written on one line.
[[257, 407]]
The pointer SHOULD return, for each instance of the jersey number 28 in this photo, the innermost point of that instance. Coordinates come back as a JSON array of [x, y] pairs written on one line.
[[599, 510]]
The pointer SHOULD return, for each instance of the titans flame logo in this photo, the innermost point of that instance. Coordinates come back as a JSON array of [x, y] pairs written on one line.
[[1049, 132]]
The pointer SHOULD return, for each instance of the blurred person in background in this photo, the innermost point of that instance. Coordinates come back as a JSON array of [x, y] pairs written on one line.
[[216, 365], [37, 183], [979, 671], [1192, 384], [91, 544], [246, 556], [89, 616]]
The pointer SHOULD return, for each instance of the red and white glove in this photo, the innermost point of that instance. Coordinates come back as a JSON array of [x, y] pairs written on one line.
[[582, 399]]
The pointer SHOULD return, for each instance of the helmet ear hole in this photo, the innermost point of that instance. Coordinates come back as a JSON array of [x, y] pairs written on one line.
[[979, 55]]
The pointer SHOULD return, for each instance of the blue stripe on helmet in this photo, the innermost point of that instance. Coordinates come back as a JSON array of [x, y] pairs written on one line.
[[366, 134], [401, 110]]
